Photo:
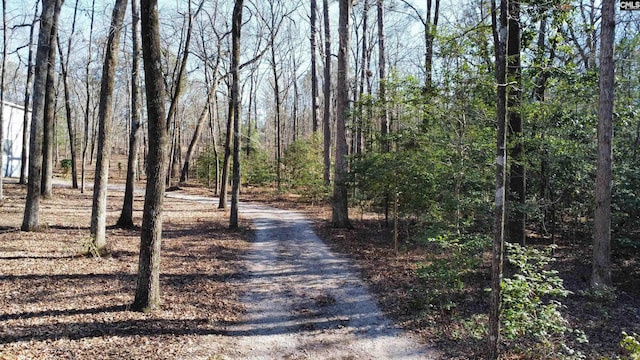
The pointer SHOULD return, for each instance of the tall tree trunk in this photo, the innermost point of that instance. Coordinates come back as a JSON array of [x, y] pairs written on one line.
[[278, 110], [126, 215], [27, 100], [2, 76], [429, 37], [147, 295], [87, 109], [363, 78], [326, 117], [601, 272], [236, 28], [64, 64], [517, 173], [31, 219], [340, 212], [227, 157], [46, 190], [382, 63], [314, 67], [105, 114], [499, 38]]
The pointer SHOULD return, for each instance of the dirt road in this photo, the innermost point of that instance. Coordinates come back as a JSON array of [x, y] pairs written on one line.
[[304, 301]]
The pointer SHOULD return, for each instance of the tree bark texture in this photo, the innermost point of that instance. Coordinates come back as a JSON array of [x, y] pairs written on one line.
[[314, 66], [64, 65], [105, 114], [601, 271], [31, 218], [384, 124], [517, 173], [27, 100], [499, 37], [326, 117], [126, 215], [340, 212], [148, 285], [236, 30], [46, 190]]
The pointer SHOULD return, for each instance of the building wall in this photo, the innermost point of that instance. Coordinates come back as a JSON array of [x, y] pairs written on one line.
[[13, 119]]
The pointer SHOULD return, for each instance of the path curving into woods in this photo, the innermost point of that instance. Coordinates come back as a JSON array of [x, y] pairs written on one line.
[[304, 301]]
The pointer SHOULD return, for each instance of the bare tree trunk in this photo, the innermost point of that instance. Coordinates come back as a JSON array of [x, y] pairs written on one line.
[[32, 207], [27, 99], [196, 134], [2, 76], [147, 295], [105, 114], [64, 64], [601, 272], [236, 30], [87, 110], [126, 215], [46, 190], [499, 37], [517, 173], [340, 211], [382, 63], [430, 34], [326, 117], [203, 115], [314, 67], [278, 110], [227, 157]]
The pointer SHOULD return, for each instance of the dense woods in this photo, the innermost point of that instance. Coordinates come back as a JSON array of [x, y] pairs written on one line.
[[505, 127]]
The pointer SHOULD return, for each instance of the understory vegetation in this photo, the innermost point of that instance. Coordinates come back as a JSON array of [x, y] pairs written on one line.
[[433, 175]]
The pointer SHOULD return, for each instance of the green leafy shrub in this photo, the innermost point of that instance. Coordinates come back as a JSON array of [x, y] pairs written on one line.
[[452, 257], [66, 166], [530, 312], [631, 344], [258, 168], [206, 165], [304, 168]]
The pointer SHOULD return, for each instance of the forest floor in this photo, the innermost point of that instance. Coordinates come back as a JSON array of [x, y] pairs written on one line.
[[55, 302]]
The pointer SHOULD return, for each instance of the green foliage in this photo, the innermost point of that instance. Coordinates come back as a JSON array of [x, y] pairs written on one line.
[[66, 166], [206, 167], [439, 161], [258, 168], [631, 344], [304, 167], [451, 259], [530, 312]]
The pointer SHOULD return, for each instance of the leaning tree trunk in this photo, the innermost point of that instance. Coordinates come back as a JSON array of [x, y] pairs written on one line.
[[126, 215], [31, 219], [601, 272], [204, 115], [340, 212], [105, 114], [147, 295]]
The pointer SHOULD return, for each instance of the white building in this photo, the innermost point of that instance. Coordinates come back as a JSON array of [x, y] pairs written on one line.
[[12, 125]]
